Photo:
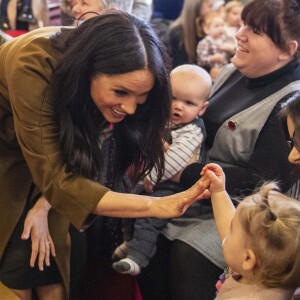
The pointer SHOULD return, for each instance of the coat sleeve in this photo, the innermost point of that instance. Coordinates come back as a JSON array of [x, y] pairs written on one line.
[[37, 129]]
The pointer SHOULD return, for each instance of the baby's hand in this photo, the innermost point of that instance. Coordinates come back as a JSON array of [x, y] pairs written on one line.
[[166, 146], [148, 185], [217, 58], [36, 227], [227, 48], [216, 176]]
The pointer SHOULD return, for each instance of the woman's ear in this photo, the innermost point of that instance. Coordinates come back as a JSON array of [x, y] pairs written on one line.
[[292, 47], [249, 260]]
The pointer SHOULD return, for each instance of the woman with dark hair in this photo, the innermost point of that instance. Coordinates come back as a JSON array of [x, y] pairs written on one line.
[[244, 136], [81, 110], [186, 31], [291, 112]]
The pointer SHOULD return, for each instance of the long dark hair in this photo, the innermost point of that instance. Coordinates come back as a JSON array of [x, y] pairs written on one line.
[[189, 13], [291, 107], [112, 43]]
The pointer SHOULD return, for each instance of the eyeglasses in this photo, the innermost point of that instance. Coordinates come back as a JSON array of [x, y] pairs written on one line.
[[81, 19], [291, 143]]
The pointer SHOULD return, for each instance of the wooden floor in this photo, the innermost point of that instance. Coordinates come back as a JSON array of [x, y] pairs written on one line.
[[6, 294]]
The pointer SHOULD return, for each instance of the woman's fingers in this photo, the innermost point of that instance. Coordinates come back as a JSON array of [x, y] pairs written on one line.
[[46, 259], [34, 252], [52, 247], [41, 251], [28, 224], [44, 247]]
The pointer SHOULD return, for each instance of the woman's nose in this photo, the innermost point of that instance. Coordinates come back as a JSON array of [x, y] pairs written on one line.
[[241, 34], [294, 156], [76, 9], [129, 107]]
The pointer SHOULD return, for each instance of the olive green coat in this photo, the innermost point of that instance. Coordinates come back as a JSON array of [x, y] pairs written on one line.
[[29, 151]]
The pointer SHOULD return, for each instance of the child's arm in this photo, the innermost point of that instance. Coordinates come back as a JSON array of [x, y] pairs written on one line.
[[148, 185], [223, 207], [166, 146], [186, 141], [36, 227], [205, 57], [227, 47]]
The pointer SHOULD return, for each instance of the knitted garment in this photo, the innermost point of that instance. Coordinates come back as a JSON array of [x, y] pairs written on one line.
[[232, 289]]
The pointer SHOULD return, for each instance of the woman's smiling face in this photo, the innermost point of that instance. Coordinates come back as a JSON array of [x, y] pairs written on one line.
[[117, 96], [256, 54]]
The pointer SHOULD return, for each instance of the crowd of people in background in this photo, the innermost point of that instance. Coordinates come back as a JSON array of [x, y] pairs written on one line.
[[186, 27], [223, 158]]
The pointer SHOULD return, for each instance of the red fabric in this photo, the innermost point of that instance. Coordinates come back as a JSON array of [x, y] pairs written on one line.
[[138, 295], [15, 33]]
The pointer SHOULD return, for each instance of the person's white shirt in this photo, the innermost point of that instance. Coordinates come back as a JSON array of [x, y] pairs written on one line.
[[142, 9]]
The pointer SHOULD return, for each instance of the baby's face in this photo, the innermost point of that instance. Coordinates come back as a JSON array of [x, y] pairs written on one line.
[[185, 110], [234, 16], [234, 245], [189, 100], [216, 28]]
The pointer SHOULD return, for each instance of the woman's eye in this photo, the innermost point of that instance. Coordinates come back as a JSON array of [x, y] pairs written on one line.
[[121, 93], [256, 31]]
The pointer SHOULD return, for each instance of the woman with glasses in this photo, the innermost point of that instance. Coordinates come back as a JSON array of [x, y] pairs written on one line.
[[291, 110]]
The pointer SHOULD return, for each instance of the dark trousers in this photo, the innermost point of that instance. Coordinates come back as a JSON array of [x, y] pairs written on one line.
[[178, 272]]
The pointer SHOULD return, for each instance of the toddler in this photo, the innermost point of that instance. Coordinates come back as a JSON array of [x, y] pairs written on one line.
[[214, 51], [233, 21], [190, 88], [261, 241]]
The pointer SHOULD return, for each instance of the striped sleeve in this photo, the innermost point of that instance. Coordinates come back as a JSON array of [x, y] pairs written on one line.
[[186, 141]]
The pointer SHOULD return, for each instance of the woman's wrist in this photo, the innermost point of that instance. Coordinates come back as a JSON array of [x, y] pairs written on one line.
[[42, 203]]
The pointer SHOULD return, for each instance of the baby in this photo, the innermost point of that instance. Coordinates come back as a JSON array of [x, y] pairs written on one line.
[[215, 50], [233, 20], [190, 86]]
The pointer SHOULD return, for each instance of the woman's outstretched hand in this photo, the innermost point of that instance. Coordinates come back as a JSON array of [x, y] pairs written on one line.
[[175, 205], [122, 205], [36, 227]]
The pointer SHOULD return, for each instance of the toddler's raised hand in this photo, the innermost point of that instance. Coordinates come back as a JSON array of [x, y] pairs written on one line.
[[216, 176]]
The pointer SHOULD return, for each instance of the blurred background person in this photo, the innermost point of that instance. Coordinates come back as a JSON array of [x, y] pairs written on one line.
[[185, 32]]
